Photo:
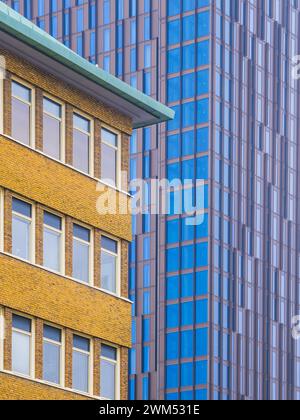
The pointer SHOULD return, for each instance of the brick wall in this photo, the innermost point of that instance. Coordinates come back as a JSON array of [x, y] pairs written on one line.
[[59, 300], [15, 388]]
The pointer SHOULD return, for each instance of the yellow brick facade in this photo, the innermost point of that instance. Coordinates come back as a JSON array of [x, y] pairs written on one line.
[[16, 388], [63, 301], [29, 289], [60, 188]]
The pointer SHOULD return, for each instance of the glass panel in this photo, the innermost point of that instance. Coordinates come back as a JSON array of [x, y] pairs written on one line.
[[20, 353], [109, 137], [52, 108], [21, 237], [81, 151], [52, 333], [81, 123], [108, 352], [81, 343], [52, 251], [51, 136], [81, 233], [109, 164], [108, 272], [21, 207], [108, 375], [21, 323], [51, 363], [52, 220], [21, 92], [20, 121], [80, 371], [81, 261], [109, 244]]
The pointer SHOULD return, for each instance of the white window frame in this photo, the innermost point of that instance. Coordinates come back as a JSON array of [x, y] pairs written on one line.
[[91, 138], [62, 126], [91, 252], [2, 73], [32, 230], [62, 353], [32, 345], [90, 364], [1, 220], [117, 364], [62, 240], [2, 335], [32, 108], [118, 149], [118, 265]]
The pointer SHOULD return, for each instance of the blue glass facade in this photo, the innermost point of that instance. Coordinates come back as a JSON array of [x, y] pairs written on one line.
[[213, 303], [188, 88]]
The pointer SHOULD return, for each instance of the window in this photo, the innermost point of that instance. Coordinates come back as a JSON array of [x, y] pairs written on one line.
[[109, 157], [106, 11], [52, 354], [120, 9], [174, 32], [173, 7], [52, 128], [52, 242], [80, 20], [81, 143], [54, 26], [21, 345], [21, 113], [147, 56], [109, 264], [81, 253], [108, 372], [81, 363], [22, 242]]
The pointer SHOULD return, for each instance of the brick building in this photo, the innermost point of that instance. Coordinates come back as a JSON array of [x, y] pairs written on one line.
[[65, 316], [219, 327]]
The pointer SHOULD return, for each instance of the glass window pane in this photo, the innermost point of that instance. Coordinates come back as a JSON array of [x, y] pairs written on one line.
[[21, 323], [20, 119], [109, 244], [21, 237], [109, 352], [108, 374], [108, 271], [21, 92], [81, 151], [52, 108], [81, 343], [109, 137], [51, 363], [52, 333], [51, 136], [80, 371], [81, 233], [109, 164], [52, 249], [20, 353], [52, 220], [21, 207], [81, 261], [81, 123]]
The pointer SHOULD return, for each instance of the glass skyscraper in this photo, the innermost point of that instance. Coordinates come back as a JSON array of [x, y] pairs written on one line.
[[213, 303]]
